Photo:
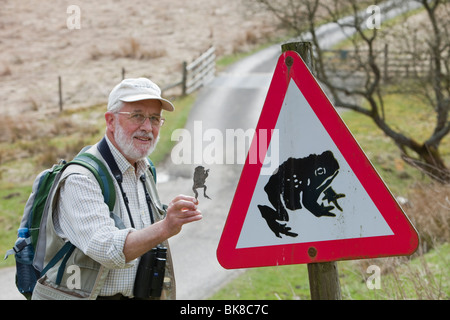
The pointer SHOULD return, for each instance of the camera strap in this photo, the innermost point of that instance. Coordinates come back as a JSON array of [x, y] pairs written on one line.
[[147, 199], [104, 150]]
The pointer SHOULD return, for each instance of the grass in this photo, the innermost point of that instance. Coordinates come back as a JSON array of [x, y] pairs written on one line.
[[425, 277], [268, 283], [12, 202]]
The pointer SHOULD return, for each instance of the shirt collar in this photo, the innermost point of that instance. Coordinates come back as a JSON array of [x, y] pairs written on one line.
[[123, 164]]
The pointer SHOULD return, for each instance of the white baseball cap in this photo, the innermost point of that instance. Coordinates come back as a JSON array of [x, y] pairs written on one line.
[[130, 90]]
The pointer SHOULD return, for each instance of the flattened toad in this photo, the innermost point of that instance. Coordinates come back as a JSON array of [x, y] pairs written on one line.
[[200, 175]]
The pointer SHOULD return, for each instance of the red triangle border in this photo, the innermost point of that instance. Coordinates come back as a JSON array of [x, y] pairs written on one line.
[[405, 238]]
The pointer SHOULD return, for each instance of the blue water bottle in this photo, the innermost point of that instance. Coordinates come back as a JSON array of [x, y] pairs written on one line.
[[26, 275]]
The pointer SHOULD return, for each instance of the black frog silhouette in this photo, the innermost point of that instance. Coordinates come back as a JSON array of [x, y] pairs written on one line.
[[297, 182]]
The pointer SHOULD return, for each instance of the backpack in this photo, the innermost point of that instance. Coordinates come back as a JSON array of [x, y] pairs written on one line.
[[30, 268]]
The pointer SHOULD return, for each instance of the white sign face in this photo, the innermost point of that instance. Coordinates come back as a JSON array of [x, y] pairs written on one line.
[[302, 136]]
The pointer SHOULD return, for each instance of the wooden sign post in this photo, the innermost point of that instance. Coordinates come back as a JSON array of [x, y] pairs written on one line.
[[323, 277]]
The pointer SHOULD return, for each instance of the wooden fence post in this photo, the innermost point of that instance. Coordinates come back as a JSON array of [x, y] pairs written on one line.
[[195, 74], [386, 63], [60, 94], [184, 79], [323, 277]]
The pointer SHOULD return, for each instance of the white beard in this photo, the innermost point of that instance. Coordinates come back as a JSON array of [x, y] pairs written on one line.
[[126, 144]]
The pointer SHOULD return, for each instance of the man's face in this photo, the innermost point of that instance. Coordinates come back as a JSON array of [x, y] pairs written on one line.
[[135, 139]]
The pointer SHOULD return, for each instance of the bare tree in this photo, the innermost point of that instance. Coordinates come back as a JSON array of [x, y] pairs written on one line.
[[430, 44]]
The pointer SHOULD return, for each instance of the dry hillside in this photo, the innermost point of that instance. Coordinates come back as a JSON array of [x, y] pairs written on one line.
[[147, 38]]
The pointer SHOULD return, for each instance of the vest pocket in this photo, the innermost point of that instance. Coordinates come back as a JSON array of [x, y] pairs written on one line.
[[44, 290]]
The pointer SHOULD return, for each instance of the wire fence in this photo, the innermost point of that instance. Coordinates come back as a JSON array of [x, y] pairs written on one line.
[[392, 63]]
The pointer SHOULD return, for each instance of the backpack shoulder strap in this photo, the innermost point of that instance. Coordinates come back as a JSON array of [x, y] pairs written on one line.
[[98, 169], [152, 169], [104, 179]]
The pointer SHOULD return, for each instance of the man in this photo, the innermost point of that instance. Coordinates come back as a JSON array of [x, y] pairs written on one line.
[[108, 255]]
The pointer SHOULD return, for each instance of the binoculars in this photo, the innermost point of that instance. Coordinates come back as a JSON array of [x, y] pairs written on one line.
[[150, 274]]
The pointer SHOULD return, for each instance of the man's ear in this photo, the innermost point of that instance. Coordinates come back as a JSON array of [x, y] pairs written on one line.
[[110, 119]]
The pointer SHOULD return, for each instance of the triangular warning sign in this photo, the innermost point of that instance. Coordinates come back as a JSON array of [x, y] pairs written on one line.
[[310, 194]]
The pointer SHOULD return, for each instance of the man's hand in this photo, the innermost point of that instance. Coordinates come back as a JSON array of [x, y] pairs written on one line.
[[183, 209]]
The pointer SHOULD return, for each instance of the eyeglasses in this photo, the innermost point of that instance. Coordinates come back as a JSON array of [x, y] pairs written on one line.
[[138, 119]]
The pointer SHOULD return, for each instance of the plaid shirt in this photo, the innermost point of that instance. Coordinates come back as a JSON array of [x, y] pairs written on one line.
[[83, 218]]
